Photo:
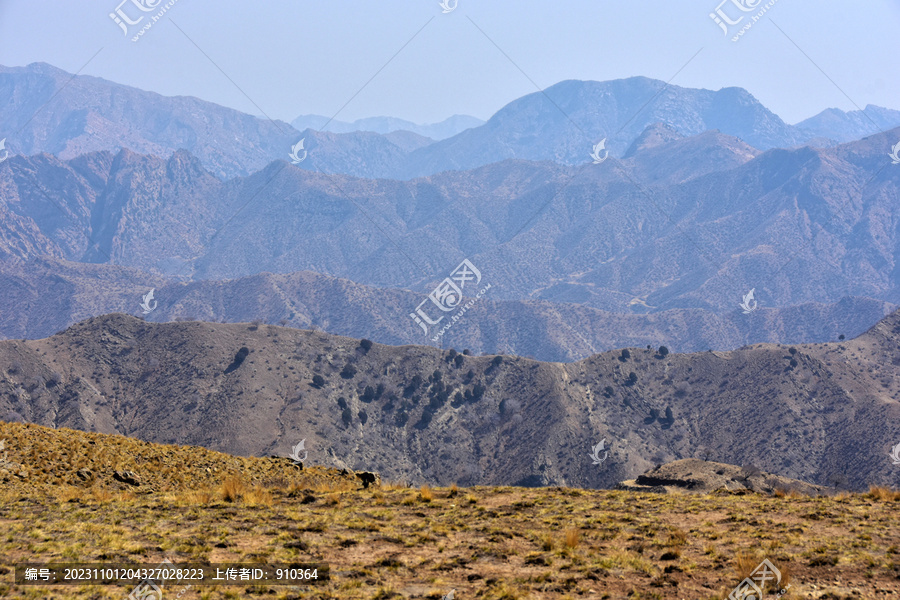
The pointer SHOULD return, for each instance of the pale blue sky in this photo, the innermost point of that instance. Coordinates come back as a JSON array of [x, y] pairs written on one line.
[[295, 57]]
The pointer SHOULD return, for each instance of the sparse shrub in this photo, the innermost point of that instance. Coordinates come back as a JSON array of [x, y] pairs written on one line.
[[458, 361], [342, 402], [632, 378], [663, 351], [682, 389], [346, 416], [749, 470], [425, 420], [608, 391], [454, 490], [792, 351], [841, 337], [365, 344], [348, 372], [626, 354], [368, 394], [254, 325], [572, 538], [363, 417], [237, 362], [318, 381], [466, 352], [497, 360]]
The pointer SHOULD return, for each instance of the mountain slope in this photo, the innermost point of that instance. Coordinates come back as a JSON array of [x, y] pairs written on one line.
[[810, 412], [563, 122], [688, 223], [843, 126], [50, 295]]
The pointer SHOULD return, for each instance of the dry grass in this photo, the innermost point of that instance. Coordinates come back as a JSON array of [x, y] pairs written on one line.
[[883, 494], [425, 494], [393, 542], [571, 538]]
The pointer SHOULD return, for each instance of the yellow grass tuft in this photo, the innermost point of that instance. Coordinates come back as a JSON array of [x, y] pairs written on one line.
[[676, 538], [232, 489], [883, 494], [198, 497], [425, 494], [571, 538], [258, 496]]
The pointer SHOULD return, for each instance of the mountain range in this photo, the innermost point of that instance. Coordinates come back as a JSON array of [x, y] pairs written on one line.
[[823, 413], [49, 110], [681, 223], [44, 296]]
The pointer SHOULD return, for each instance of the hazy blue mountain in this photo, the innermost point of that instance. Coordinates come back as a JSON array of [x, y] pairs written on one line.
[[436, 131], [88, 114], [687, 223], [562, 123], [843, 126]]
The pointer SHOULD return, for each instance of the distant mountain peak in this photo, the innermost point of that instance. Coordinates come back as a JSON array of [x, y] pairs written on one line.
[[655, 135]]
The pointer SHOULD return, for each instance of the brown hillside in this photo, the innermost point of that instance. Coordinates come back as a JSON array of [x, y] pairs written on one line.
[[823, 413]]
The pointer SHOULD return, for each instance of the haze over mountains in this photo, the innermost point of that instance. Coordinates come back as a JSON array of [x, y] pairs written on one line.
[[86, 114], [435, 131], [682, 223], [826, 413], [657, 245]]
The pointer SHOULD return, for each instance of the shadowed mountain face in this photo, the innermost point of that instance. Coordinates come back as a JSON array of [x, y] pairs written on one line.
[[50, 295], [683, 223], [85, 114], [818, 413]]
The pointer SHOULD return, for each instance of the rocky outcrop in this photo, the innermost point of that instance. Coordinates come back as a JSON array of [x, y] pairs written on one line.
[[700, 476]]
